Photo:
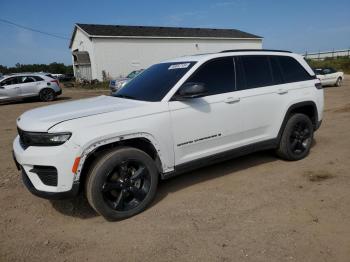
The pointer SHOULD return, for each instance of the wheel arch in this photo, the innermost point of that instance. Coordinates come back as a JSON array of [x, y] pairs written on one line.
[[308, 108], [141, 141]]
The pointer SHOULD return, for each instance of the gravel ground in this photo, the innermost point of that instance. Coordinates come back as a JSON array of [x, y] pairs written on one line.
[[254, 208]]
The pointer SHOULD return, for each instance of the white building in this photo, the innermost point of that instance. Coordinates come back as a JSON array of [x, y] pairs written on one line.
[[109, 51]]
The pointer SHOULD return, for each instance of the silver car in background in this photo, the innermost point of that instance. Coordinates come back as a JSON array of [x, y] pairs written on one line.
[[117, 84], [17, 86]]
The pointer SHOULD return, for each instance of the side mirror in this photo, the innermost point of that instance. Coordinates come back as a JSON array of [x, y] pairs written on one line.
[[191, 90]]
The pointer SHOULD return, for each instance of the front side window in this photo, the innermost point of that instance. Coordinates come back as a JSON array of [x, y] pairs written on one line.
[[218, 76], [9, 81], [155, 82]]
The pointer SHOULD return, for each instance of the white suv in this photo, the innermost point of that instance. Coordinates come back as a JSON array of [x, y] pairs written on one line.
[[176, 116], [18, 86]]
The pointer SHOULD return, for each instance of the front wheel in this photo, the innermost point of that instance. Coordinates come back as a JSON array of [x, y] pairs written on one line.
[[122, 183], [297, 138]]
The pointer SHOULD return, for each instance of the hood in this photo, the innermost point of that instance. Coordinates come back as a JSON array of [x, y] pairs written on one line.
[[43, 118]]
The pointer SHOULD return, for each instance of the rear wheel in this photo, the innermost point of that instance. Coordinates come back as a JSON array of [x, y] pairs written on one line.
[[122, 183], [297, 138], [339, 82], [47, 94]]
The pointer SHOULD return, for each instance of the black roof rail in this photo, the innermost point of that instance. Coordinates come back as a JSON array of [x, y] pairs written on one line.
[[255, 50]]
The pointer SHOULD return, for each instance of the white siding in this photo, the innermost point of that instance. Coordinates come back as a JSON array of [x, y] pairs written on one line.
[[119, 56]]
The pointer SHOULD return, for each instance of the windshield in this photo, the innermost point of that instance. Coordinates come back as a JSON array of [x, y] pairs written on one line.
[[155, 82]]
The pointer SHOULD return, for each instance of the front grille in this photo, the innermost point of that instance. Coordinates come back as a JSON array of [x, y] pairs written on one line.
[[47, 174], [24, 140]]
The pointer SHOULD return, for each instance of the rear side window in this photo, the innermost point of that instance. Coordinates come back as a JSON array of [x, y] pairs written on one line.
[[38, 78], [217, 75], [276, 70], [292, 70], [257, 71]]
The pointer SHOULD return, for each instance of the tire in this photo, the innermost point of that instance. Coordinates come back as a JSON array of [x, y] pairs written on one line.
[[47, 95], [296, 138], [339, 82], [121, 183]]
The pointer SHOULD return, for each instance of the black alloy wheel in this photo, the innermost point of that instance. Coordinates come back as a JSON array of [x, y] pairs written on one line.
[[121, 183], [297, 137], [300, 137], [127, 185]]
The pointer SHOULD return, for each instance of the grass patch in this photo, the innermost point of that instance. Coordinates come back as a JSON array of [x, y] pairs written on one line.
[[316, 176], [338, 63]]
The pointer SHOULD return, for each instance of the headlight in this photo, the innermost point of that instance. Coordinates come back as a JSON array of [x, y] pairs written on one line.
[[43, 139], [121, 84]]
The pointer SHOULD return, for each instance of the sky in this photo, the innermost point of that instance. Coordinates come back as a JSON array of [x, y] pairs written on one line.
[[296, 25]]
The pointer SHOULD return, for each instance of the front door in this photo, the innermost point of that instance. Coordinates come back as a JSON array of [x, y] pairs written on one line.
[[210, 124], [9, 88]]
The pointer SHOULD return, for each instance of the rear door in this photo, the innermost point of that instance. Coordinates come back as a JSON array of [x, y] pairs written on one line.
[[29, 85], [9, 88], [263, 96]]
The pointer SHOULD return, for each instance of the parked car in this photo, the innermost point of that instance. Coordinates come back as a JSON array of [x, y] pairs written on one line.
[[176, 116], [329, 76], [67, 77], [117, 84], [18, 86]]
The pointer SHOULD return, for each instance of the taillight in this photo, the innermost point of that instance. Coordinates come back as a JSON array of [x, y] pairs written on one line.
[[318, 85], [55, 81]]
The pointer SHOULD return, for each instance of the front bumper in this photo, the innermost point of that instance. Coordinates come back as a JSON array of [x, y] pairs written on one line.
[[57, 158], [49, 195], [59, 92]]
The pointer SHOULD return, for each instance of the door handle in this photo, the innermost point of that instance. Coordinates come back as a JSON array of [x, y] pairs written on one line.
[[282, 91], [231, 100]]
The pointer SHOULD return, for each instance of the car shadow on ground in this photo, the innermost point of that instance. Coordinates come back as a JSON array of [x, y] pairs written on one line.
[[80, 208]]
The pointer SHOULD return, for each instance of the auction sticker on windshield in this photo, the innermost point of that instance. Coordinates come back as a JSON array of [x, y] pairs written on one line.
[[179, 66]]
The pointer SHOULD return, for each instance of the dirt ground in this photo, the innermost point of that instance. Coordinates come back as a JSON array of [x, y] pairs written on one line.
[[255, 208]]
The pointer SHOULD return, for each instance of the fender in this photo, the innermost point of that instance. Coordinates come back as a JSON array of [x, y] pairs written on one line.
[[294, 107], [89, 149]]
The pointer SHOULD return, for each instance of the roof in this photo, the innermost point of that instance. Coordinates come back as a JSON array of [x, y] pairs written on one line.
[[207, 56], [94, 30]]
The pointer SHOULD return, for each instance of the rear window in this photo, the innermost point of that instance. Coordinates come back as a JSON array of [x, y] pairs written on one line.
[[155, 82], [292, 70]]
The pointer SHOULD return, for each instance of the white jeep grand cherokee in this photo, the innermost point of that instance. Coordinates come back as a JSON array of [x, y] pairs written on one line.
[[176, 116]]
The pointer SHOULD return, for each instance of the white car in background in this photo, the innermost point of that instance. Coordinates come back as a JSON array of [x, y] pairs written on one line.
[[329, 76], [17, 86]]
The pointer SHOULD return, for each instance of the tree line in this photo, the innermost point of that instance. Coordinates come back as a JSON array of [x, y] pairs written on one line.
[[54, 68]]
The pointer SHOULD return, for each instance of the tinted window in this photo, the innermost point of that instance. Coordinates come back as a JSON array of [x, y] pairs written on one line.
[[26, 79], [38, 78], [10, 81], [218, 76], [155, 82], [257, 71], [276, 70], [292, 70]]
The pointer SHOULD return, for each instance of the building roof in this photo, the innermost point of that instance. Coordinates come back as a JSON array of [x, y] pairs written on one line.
[[94, 30]]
